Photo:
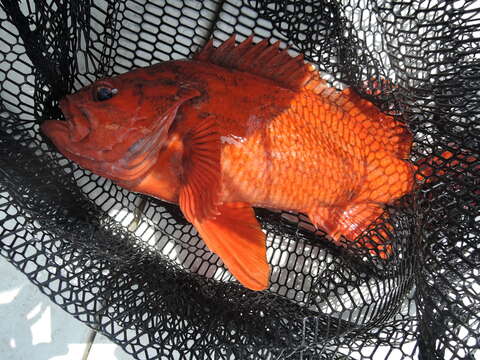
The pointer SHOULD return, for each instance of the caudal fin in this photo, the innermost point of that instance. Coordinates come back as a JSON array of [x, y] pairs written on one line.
[[429, 169]]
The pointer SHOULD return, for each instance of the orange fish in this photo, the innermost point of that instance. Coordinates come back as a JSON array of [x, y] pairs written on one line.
[[235, 127]]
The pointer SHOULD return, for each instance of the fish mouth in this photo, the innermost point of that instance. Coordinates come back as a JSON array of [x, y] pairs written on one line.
[[55, 128], [76, 125], [128, 169], [126, 162], [76, 119]]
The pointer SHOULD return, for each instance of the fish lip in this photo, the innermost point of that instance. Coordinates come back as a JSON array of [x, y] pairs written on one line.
[[58, 130], [49, 127], [52, 127]]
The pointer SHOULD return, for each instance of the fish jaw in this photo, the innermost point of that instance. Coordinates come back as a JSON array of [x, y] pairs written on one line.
[[56, 130]]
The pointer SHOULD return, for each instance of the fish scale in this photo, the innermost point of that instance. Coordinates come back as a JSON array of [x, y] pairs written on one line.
[[334, 170]]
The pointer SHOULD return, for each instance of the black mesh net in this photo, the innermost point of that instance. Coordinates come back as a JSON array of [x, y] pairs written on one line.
[[133, 268]]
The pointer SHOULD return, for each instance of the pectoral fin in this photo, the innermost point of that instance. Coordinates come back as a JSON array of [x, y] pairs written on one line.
[[229, 230], [235, 236], [200, 186]]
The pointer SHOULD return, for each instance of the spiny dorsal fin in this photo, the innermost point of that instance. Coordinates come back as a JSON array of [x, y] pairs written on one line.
[[263, 59]]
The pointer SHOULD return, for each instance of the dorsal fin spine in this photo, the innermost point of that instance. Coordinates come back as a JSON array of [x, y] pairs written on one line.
[[262, 59]]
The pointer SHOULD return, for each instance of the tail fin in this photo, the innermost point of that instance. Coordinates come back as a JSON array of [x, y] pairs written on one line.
[[459, 172], [431, 168]]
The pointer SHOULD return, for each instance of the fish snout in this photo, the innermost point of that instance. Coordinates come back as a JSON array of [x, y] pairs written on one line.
[[54, 129]]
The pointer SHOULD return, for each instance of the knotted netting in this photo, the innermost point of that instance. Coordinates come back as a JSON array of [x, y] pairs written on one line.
[[133, 268]]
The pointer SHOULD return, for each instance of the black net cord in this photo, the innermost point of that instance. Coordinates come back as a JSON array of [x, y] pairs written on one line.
[[133, 268]]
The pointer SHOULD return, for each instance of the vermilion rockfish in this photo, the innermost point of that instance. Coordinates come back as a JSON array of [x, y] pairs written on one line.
[[235, 127]]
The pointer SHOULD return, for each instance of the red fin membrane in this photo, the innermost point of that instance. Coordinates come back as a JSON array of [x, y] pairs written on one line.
[[262, 59], [200, 189], [271, 62], [354, 220], [325, 219], [351, 223], [235, 236], [229, 230]]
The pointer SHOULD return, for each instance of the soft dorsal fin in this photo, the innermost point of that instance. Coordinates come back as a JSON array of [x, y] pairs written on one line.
[[262, 59]]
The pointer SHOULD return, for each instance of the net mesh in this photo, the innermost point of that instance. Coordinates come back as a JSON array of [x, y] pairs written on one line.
[[133, 268]]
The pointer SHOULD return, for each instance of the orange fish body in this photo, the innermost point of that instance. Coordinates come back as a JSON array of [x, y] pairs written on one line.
[[241, 126]]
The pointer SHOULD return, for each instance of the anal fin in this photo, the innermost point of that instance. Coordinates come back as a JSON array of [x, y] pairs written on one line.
[[351, 222], [236, 237], [326, 218], [354, 220]]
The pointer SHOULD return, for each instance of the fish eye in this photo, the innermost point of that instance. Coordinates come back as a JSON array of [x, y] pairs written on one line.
[[103, 93]]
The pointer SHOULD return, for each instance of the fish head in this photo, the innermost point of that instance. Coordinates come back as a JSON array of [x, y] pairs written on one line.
[[116, 127]]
